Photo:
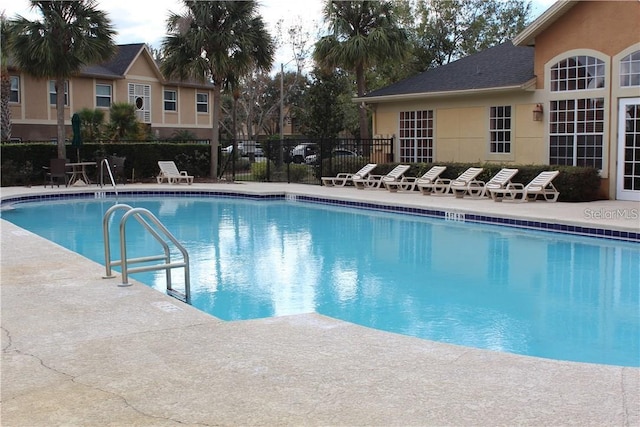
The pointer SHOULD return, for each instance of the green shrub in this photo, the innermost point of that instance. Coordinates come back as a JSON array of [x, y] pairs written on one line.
[[259, 170], [298, 172]]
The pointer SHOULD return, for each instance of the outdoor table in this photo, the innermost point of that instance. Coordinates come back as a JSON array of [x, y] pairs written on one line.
[[79, 173]]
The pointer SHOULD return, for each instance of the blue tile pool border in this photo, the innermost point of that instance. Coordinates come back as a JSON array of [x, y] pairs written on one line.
[[605, 233]]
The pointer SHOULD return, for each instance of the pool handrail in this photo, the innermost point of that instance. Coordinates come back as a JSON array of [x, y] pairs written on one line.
[[139, 214], [113, 181]]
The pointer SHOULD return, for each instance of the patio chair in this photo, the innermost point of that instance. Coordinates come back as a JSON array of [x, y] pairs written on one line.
[[376, 181], [169, 172], [342, 179], [56, 171], [541, 185], [466, 183], [499, 180], [410, 183]]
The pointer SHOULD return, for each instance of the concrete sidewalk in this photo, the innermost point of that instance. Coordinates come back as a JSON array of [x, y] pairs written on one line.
[[78, 350]]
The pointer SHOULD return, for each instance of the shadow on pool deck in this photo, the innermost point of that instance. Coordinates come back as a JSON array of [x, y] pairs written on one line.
[[79, 350]]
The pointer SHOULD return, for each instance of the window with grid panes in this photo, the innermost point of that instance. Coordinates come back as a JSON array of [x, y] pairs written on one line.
[[576, 132], [576, 125], [577, 73], [630, 70], [416, 136], [500, 129]]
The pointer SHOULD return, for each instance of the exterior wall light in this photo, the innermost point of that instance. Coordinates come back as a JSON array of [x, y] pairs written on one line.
[[537, 113]]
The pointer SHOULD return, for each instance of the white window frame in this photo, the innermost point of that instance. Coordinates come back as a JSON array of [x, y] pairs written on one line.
[[500, 131], [416, 130], [577, 73], [104, 96], [630, 70], [14, 89], [202, 103], [53, 95], [577, 132], [170, 101]]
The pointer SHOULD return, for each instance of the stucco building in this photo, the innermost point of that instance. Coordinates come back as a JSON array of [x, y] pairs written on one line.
[[566, 91], [130, 76]]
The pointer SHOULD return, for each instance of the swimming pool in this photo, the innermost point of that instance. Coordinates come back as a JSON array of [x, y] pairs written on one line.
[[491, 287]]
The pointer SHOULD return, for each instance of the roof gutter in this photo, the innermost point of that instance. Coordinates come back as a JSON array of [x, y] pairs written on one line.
[[527, 86]]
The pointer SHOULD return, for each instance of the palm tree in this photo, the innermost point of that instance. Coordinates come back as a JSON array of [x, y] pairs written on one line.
[[212, 41], [123, 123], [70, 34], [5, 83], [364, 33]]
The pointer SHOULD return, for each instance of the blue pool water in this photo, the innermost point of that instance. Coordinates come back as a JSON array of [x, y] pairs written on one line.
[[498, 288]]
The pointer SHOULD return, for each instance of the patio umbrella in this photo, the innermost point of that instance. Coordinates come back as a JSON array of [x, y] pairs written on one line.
[[77, 138]]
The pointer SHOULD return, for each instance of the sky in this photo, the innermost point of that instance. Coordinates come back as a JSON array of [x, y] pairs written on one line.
[[144, 21]]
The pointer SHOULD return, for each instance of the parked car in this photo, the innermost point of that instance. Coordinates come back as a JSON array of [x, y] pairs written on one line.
[[300, 152], [338, 152], [244, 150]]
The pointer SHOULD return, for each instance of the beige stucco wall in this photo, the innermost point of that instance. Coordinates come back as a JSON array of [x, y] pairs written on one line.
[[461, 127]]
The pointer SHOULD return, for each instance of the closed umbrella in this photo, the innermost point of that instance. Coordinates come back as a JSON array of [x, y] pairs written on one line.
[[77, 138]]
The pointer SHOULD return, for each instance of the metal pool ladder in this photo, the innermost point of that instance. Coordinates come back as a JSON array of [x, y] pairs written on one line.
[[143, 216]]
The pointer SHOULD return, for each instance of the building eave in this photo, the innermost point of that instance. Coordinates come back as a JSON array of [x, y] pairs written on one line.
[[528, 36], [527, 86]]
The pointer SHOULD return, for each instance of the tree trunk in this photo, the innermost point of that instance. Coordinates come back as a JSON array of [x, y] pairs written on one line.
[[5, 110], [215, 130], [59, 86], [362, 111]]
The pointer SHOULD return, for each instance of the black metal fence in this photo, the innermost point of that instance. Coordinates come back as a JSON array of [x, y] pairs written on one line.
[[299, 160]]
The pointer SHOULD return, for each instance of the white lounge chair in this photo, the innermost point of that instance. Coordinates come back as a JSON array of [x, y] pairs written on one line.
[[169, 172], [499, 181], [409, 183], [541, 185], [464, 183], [375, 181], [342, 179]]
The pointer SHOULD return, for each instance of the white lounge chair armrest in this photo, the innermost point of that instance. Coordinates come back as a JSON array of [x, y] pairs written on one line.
[[515, 186]]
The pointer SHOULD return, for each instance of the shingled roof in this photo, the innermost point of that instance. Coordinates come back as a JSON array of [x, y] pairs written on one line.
[[504, 65], [117, 66]]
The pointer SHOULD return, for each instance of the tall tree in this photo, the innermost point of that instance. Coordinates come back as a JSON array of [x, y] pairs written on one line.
[[212, 41], [5, 81], [325, 108], [448, 30], [69, 35], [363, 34]]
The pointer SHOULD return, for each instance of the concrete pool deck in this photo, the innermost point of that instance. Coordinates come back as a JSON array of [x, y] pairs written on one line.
[[78, 350]]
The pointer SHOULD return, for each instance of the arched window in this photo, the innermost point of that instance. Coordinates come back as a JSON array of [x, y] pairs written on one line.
[[630, 70], [577, 73]]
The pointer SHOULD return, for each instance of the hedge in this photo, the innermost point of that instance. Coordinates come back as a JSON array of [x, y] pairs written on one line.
[[22, 165], [575, 184]]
